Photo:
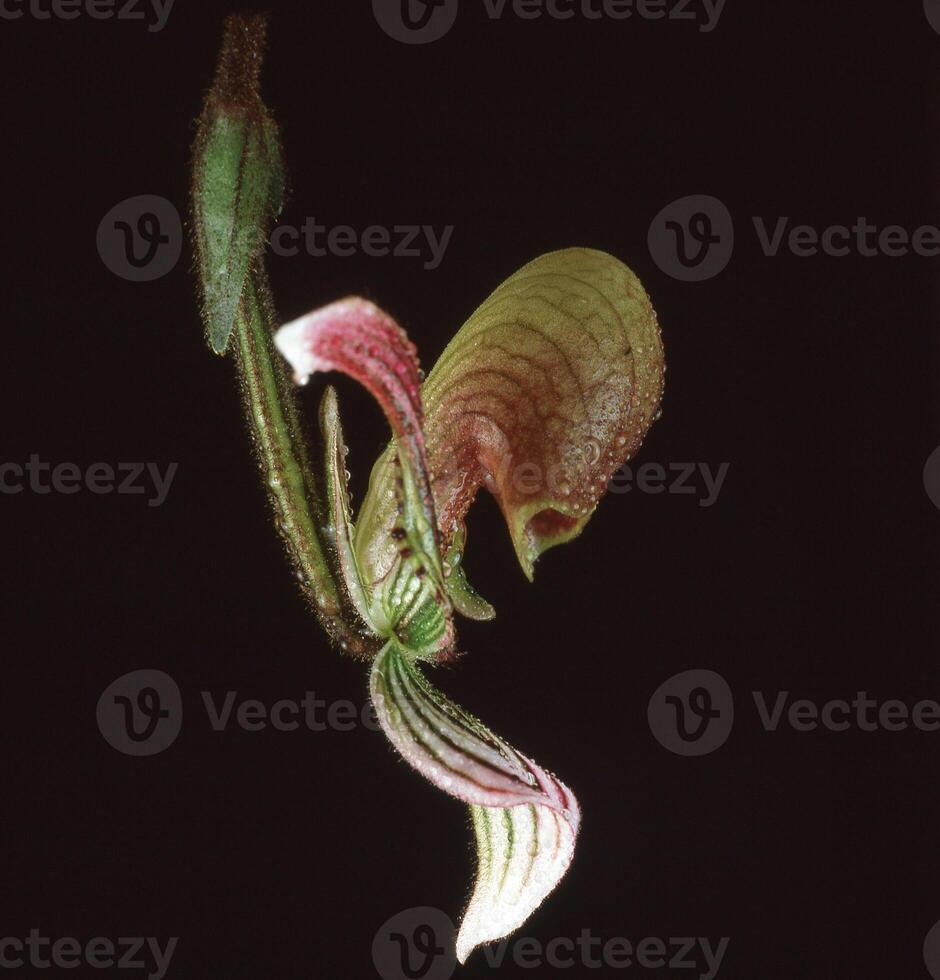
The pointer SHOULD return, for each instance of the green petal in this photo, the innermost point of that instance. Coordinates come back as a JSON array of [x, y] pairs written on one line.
[[467, 601], [339, 529]]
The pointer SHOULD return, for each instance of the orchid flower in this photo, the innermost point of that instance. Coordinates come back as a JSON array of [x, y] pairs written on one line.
[[549, 386]]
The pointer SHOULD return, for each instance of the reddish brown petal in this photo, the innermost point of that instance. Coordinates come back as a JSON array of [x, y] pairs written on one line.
[[550, 385]]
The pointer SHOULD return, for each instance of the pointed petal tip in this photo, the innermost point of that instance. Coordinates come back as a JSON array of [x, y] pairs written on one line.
[[524, 853], [289, 341], [296, 340], [536, 528]]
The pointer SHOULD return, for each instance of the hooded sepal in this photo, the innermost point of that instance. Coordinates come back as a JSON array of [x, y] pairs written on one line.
[[549, 386]]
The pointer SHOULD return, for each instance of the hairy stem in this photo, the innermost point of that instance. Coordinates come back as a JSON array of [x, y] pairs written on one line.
[[284, 461]]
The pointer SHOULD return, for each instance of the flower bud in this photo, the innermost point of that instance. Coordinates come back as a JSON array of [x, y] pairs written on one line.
[[238, 177]]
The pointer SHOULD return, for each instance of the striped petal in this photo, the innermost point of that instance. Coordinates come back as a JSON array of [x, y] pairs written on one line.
[[339, 529], [522, 851], [526, 821], [550, 385]]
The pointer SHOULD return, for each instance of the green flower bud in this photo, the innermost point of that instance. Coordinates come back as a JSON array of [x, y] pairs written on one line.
[[238, 178]]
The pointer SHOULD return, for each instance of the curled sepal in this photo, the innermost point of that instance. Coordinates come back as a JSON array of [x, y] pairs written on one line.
[[526, 820], [548, 387], [356, 337], [238, 178]]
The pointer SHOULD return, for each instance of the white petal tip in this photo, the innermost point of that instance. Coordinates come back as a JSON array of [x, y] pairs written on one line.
[[289, 341], [523, 852]]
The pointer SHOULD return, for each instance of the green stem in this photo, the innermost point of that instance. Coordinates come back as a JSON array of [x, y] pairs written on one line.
[[283, 459]]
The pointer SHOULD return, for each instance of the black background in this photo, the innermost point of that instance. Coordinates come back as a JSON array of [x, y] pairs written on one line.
[[280, 854]]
